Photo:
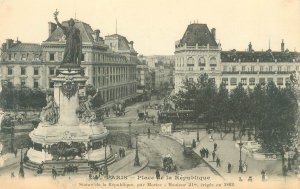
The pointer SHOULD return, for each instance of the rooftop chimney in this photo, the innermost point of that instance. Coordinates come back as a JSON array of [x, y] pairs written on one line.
[[131, 45], [52, 27], [97, 34], [282, 46], [213, 32], [250, 47], [9, 43]]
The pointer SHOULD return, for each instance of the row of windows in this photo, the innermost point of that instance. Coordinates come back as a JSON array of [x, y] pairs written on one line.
[[102, 58], [24, 83], [252, 81], [10, 71], [210, 79], [261, 68], [201, 69], [111, 75], [201, 62], [23, 57], [60, 56], [117, 93], [257, 60]]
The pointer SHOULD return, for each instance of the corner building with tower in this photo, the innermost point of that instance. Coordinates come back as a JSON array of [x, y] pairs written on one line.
[[197, 52]]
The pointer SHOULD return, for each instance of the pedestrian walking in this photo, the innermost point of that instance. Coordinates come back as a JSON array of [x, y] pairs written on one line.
[[149, 132], [213, 155], [203, 152], [54, 173], [16, 152], [175, 169], [116, 156], [123, 152], [245, 166], [229, 167], [215, 146], [289, 164], [157, 174], [263, 175], [206, 152], [120, 153], [218, 161], [110, 149], [266, 177]]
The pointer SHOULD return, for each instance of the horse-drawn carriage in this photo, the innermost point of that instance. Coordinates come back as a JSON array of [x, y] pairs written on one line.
[[119, 108], [168, 164]]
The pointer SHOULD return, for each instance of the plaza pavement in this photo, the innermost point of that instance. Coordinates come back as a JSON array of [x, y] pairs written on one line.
[[227, 152]]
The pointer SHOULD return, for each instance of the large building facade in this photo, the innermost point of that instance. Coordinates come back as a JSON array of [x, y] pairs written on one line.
[[34, 65], [198, 53]]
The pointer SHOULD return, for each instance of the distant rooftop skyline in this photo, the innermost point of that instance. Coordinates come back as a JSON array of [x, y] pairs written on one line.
[[155, 25]]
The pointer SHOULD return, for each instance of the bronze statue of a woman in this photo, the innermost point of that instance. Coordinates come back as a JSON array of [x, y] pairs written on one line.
[[73, 49]]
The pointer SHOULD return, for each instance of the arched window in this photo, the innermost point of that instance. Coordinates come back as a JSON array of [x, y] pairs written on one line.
[[201, 61], [213, 60], [190, 61]]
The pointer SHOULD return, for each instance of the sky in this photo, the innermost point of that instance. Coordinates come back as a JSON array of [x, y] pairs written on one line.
[[155, 25]]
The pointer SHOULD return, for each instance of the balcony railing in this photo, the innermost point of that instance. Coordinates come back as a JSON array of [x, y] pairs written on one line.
[[230, 72], [249, 72]]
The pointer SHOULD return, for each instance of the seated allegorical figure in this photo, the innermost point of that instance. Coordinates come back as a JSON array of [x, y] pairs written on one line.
[[50, 111], [89, 115]]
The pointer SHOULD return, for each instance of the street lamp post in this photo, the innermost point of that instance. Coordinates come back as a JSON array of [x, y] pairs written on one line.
[[129, 140], [12, 136], [240, 162], [198, 139], [136, 159], [21, 170], [282, 161], [105, 157]]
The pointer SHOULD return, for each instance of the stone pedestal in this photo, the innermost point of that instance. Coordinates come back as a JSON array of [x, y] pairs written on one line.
[[68, 128], [66, 86]]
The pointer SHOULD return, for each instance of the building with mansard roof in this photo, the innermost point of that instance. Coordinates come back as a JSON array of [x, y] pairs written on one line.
[[197, 52], [112, 72]]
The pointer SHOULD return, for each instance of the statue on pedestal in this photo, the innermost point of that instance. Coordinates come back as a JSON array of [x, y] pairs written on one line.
[[50, 111], [73, 50]]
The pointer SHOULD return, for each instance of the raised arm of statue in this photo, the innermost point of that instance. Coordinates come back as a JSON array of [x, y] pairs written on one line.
[[57, 22]]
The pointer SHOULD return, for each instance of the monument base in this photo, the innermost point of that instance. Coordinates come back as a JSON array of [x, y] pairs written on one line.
[[46, 135]]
